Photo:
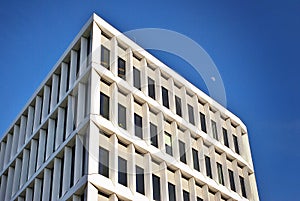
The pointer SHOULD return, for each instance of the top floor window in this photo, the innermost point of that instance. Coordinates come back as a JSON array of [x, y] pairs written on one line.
[[165, 97], [151, 88], [105, 57], [214, 129], [191, 114], [136, 78], [178, 106], [236, 144], [121, 68], [203, 122]]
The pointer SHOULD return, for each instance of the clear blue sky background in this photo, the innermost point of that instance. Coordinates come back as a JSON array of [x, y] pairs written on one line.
[[255, 45]]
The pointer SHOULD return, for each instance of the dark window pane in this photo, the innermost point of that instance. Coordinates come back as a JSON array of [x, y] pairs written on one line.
[[103, 162], [214, 129], [196, 159], [122, 173], [172, 193], [243, 188], [121, 68], [191, 114], [165, 97], [220, 173], [186, 196], [168, 143], [236, 144], [231, 180], [151, 88], [178, 106], [105, 57], [156, 187], [153, 134], [140, 185], [121, 116], [203, 123], [199, 199], [225, 137], [136, 78], [208, 167], [104, 105], [138, 125], [182, 152]]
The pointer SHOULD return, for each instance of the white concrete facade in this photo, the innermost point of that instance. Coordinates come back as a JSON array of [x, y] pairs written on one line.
[[55, 149]]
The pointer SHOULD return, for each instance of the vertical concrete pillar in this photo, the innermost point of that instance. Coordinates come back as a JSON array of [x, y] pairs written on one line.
[[29, 194], [192, 189], [229, 133], [113, 104], [70, 115], [175, 142], [37, 114], [219, 126], [60, 131], [178, 186], [205, 192], [225, 170], [29, 122], [95, 92], [8, 149], [208, 119], [164, 191], [9, 183], [46, 184], [83, 55], [50, 138], [236, 177], [184, 108], [73, 66], [148, 176], [32, 158], [16, 180], [160, 130], [196, 112], [78, 158], [81, 103], [131, 168], [21, 199], [37, 189], [56, 179], [218, 196], [24, 171], [41, 149], [113, 155], [188, 149], [3, 186], [144, 76], [15, 141], [247, 183], [129, 66], [93, 147], [201, 155], [63, 80], [171, 95], [254, 192], [213, 163], [146, 126], [96, 45], [114, 56], [246, 152], [46, 101], [67, 170], [92, 192], [54, 91], [22, 132], [3, 148], [158, 85], [130, 114], [113, 197]]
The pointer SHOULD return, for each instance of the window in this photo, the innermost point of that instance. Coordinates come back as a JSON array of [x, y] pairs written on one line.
[[138, 125], [168, 143], [220, 173], [104, 105], [122, 173], [103, 162], [182, 152], [140, 184], [165, 97], [156, 187], [191, 114], [208, 167], [121, 68], [121, 116], [203, 123], [153, 134], [151, 88], [214, 129], [225, 137], [172, 194], [105, 57], [178, 106], [186, 196], [236, 144], [196, 159], [136, 78], [231, 180], [243, 188]]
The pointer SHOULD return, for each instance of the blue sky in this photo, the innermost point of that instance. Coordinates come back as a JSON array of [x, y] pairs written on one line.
[[254, 44]]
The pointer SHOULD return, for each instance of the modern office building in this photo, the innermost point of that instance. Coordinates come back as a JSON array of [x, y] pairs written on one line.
[[111, 122]]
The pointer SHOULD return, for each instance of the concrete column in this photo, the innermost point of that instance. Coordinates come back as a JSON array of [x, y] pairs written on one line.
[[22, 132], [63, 80], [196, 112], [208, 120], [113, 104], [218, 196], [175, 143], [131, 168], [3, 148], [73, 66], [78, 158], [130, 114], [83, 55], [171, 95], [146, 125], [192, 189], [219, 126], [213, 163], [247, 183], [70, 115], [92, 192], [95, 92], [201, 155], [184, 107], [253, 195], [225, 170], [158, 85], [148, 176], [93, 146], [46, 102], [81, 103], [160, 131], [46, 184], [114, 56], [32, 158], [205, 192], [8, 149], [144, 76], [54, 91], [24, 171], [178, 185], [21, 199], [16, 181], [41, 149], [164, 191], [3, 186], [76, 198], [246, 152], [56, 179], [60, 131], [236, 177], [15, 141], [113, 197], [96, 45], [29, 194], [129, 66], [67, 170], [229, 134], [9, 183], [37, 189], [37, 114], [113, 155], [29, 122], [188, 149], [50, 138]]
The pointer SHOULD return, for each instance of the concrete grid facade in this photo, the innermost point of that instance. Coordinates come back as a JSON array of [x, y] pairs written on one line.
[[111, 122]]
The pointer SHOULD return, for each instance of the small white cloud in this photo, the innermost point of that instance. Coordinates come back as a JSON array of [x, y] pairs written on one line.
[[213, 79]]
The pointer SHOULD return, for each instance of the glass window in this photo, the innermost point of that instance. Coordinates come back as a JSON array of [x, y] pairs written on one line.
[[178, 106], [231, 180], [151, 88], [138, 125], [168, 143], [243, 188], [136, 78], [220, 173], [191, 114], [203, 122], [196, 159], [121, 116], [122, 173], [104, 105], [103, 162], [156, 187], [186, 196], [214, 129], [165, 97], [140, 184], [236, 144], [121, 68], [153, 134], [105, 57], [225, 137], [208, 167], [172, 193], [182, 151]]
